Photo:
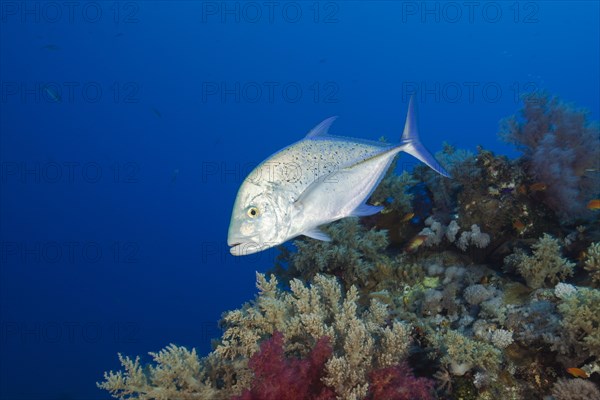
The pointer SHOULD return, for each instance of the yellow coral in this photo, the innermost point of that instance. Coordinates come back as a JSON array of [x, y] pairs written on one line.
[[546, 265], [581, 319], [592, 262], [178, 374], [462, 353]]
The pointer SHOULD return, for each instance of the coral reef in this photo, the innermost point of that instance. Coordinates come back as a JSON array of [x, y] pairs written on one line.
[[478, 287]]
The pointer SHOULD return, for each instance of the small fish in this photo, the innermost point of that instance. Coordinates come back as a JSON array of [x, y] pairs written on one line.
[[518, 225], [408, 217], [594, 204], [538, 187], [52, 94], [577, 372], [415, 243], [315, 181], [522, 189]]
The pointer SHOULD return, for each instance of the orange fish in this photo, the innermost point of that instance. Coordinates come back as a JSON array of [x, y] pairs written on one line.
[[416, 242], [594, 204], [408, 217], [538, 187], [522, 189], [577, 372], [518, 225]]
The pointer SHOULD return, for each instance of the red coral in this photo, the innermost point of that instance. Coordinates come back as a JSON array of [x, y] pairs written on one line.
[[281, 378], [399, 383]]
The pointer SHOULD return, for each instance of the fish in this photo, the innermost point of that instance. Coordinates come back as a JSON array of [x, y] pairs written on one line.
[[156, 112], [408, 217], [52, 94], [594, 204], [577, 372], [319, 179], [415, 243], [518, 225], [538, 187]]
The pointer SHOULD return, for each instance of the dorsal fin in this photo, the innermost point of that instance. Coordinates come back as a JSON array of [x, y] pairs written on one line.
[[321, 129], [411, 131]]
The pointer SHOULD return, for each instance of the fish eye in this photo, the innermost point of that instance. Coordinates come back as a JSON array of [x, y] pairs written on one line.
[[253, 212]]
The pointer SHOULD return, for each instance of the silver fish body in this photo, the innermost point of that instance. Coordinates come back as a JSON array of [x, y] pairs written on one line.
[[315, 181]]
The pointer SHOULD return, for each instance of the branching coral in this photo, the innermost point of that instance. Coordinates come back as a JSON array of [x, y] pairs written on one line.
[[592, 262], [361, 339], [461, 353], [581, 319], [177, 375], [545, 266], [560, 146]]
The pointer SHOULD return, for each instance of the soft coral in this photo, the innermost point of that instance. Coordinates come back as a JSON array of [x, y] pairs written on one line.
[[280, 378], [399, 383]]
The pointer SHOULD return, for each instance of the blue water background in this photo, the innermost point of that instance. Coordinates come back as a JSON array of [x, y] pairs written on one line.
[[114, 205]]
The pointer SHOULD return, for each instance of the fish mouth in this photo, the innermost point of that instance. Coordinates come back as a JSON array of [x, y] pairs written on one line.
[[245, 248]]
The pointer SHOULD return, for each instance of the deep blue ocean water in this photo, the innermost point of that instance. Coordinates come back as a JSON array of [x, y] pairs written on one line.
[[126, 128]]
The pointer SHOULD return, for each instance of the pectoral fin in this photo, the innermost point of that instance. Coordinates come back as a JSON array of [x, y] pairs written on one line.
[[364, 210], [317, 234]]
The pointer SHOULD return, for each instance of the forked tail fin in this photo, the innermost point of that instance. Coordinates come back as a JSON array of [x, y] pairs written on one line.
[[412, 145]]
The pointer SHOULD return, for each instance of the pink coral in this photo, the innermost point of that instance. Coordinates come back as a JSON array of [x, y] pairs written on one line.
[[399, 383], [280, 378]]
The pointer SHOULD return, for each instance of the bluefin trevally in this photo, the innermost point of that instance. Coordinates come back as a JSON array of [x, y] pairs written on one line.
[[317, 180]]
